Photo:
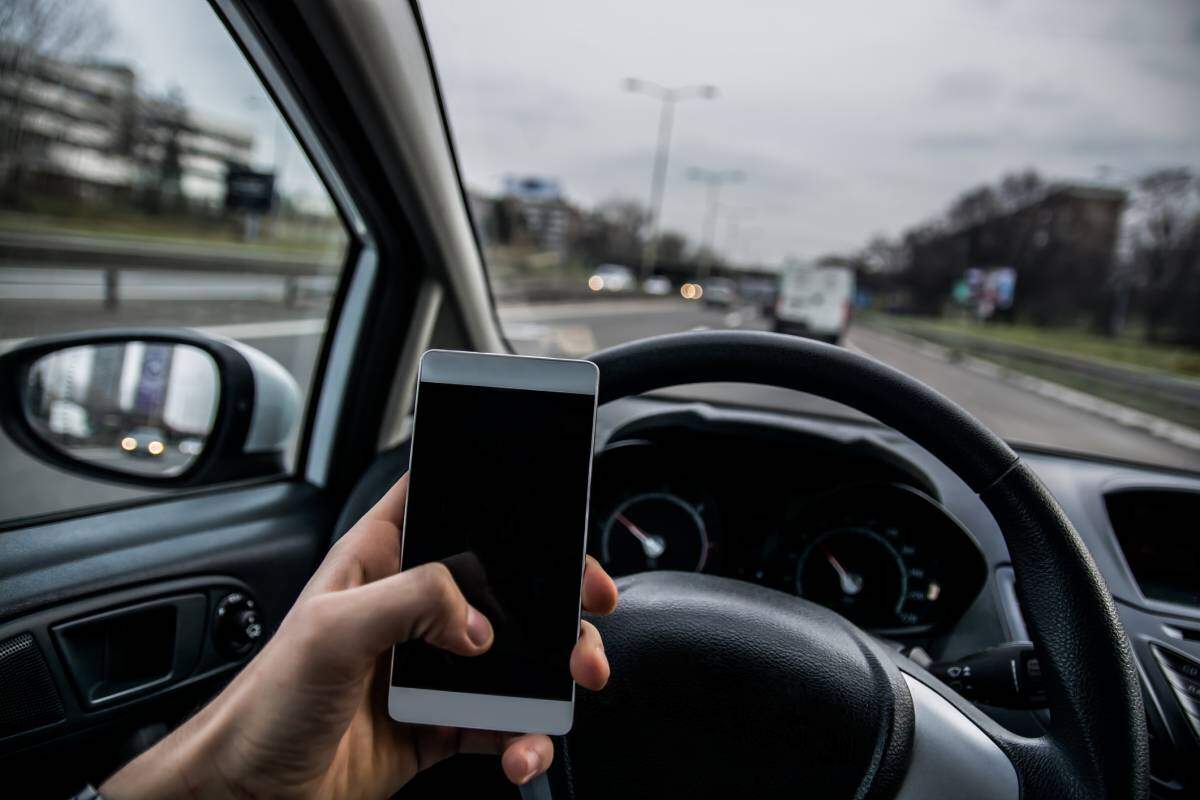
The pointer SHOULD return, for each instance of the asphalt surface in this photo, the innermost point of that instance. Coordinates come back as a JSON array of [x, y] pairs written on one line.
[[292, 336]]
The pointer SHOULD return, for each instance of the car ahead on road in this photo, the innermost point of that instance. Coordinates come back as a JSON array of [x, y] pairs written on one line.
[[657, 285], [856, 587], [719, 293], [815, 302], [612, 278], [143, 441]]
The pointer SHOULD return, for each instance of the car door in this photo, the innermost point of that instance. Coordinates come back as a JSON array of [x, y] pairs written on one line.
[[188, 181]]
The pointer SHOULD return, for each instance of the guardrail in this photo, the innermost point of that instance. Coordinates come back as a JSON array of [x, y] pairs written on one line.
[[114, 254]]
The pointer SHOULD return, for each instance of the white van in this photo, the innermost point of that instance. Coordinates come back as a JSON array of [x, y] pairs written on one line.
[[815, 302]]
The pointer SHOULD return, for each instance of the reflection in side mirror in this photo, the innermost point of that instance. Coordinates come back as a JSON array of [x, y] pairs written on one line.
[[144, 408]]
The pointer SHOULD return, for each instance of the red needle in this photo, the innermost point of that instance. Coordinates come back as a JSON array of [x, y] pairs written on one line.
[[653, 546], [634, 529], [832, 559], [851, 584]]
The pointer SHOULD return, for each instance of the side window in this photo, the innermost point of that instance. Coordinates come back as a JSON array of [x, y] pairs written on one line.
[[147, 179]]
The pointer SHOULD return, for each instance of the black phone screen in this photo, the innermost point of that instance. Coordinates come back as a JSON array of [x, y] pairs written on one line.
[[498, 493]]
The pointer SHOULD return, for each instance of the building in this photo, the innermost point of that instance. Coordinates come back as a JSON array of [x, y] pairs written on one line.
[[1061, 246], [87, 131], [543, 211]]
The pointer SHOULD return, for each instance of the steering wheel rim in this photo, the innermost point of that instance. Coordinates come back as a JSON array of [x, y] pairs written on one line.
[[1096, 744]]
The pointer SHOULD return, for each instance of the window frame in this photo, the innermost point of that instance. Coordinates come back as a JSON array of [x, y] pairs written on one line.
[[357, 277], [323, 400]]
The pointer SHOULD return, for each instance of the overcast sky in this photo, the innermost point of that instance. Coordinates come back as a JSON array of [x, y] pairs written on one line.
[[847, 118]]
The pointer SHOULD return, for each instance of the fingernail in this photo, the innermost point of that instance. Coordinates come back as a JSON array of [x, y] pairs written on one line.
[[531, 766], [479, 630]]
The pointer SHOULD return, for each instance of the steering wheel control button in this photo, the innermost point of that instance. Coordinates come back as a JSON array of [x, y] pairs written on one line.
[[238, 628], [1183, 675]]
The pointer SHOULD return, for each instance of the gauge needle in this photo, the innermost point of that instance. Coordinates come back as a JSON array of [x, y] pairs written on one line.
[[851, 584], [654, 546]]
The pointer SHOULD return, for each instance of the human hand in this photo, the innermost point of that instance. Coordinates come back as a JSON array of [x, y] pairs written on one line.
[[307, 717]]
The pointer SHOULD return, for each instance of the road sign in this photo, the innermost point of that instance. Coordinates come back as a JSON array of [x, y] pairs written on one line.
[[249, 190]]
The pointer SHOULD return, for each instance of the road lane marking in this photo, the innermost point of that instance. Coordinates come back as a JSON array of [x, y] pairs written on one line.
[[854, 348], [536, 338], [601, 308], [267, 330]]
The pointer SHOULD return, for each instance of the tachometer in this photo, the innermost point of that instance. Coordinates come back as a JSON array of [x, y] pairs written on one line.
[[654, 531]]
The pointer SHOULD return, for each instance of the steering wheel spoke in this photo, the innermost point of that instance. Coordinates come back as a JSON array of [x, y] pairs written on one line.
[[952, 756]]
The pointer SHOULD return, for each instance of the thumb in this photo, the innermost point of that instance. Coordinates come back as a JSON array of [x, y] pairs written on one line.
[[419, 603]]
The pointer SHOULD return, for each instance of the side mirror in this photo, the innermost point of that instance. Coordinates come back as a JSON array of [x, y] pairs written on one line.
[[149, 407]]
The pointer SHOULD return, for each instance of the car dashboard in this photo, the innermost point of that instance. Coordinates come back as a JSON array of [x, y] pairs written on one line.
[[860, 519], [844, 527]]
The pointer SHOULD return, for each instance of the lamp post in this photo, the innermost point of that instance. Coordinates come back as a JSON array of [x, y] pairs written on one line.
[[714, 179], [658, 178]]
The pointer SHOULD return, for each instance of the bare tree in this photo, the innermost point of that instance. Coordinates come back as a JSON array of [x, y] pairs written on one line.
[[974, 207], [611, 232], [1020, 189], [34, 36], [672, 247], [883, 255], [1167, 252]]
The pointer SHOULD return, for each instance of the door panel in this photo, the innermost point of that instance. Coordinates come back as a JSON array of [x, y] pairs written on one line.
[[109, 625]]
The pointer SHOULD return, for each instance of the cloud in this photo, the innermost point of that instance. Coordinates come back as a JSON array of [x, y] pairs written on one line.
[[1045, 96], [847, 118], [958, 140], [967, 86]]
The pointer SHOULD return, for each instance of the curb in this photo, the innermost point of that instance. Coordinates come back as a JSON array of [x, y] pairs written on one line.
[[1124, 416]]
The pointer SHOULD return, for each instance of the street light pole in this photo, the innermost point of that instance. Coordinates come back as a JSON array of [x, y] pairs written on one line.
[[658, 178], [714, 179]]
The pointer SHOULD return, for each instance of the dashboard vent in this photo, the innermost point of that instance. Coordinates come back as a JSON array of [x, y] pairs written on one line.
[[1156, 529]]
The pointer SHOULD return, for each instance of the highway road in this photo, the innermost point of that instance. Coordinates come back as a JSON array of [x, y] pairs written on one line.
[[576, 329]]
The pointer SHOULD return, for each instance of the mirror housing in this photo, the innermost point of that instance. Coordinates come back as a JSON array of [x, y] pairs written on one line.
[[255, 409]]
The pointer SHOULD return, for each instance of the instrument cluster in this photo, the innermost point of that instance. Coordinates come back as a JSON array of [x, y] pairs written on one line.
[[879, 551]]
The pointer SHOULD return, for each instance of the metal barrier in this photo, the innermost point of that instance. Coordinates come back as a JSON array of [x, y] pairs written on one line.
[[113, 254]]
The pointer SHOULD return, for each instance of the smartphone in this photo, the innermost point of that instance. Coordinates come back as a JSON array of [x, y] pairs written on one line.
[[499, 479]]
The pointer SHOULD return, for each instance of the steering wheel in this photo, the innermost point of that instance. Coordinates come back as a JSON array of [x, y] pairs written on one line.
[[723, 689]]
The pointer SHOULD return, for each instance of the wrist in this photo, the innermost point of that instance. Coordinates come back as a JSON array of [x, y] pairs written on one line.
[[188, 763]]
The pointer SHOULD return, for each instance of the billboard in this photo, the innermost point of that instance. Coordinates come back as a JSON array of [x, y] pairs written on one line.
[[987, 292]]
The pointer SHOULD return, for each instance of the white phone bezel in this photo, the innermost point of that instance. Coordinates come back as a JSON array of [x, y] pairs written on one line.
[[486, 711]]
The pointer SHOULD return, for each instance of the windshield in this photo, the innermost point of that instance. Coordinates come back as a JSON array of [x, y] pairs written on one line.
[[1000, 199]]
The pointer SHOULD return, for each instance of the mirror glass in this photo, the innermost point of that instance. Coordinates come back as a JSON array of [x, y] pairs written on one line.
[[146, 408]]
